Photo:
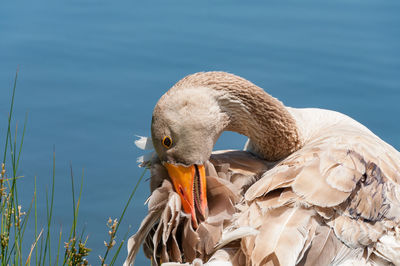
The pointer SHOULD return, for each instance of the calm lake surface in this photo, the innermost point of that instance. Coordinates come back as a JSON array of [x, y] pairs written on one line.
[[92, 71]]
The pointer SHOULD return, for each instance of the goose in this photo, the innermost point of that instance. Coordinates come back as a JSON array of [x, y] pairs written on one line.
[[311, 187]]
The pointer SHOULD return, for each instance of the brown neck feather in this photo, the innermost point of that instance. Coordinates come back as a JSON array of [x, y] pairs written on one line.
[[251, 112]]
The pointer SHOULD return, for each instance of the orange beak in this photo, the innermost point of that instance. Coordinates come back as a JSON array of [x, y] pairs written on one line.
[[190, 184]]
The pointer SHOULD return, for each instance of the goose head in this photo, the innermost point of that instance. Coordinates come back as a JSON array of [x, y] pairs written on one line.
[[189, 118], [185, 126]]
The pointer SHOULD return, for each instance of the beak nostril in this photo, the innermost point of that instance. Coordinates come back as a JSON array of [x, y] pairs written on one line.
[[181, 190]]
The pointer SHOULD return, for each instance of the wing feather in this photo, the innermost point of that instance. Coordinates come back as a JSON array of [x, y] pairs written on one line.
[[282, 237]]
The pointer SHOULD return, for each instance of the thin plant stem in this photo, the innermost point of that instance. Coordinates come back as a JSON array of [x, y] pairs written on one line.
[[58, 248], [73, 202], [22, 139], [36, 235], [50, 214], [10, 115], [123, 212], [119, 247]]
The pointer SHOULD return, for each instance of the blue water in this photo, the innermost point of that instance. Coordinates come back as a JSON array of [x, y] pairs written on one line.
[[90, 73]]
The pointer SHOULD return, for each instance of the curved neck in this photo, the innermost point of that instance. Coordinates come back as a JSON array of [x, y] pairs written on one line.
[[252, 112]]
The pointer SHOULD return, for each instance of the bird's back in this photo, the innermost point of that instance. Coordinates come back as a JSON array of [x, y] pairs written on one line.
[[339, 192]]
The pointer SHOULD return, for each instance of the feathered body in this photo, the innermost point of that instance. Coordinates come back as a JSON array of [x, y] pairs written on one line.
[[315, 187]]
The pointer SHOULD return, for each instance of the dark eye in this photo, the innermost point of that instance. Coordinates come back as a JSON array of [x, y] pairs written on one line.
[[167, 142]]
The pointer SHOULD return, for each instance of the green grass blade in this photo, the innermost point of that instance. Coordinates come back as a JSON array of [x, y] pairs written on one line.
[[25, 222], [119, 247], [22, 140], [9, 116], [72, 232], [58, 248], [47, 235], [26, 219], [80, 195], [36, 221], [50, 211], [123, 212], [73, 204]]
